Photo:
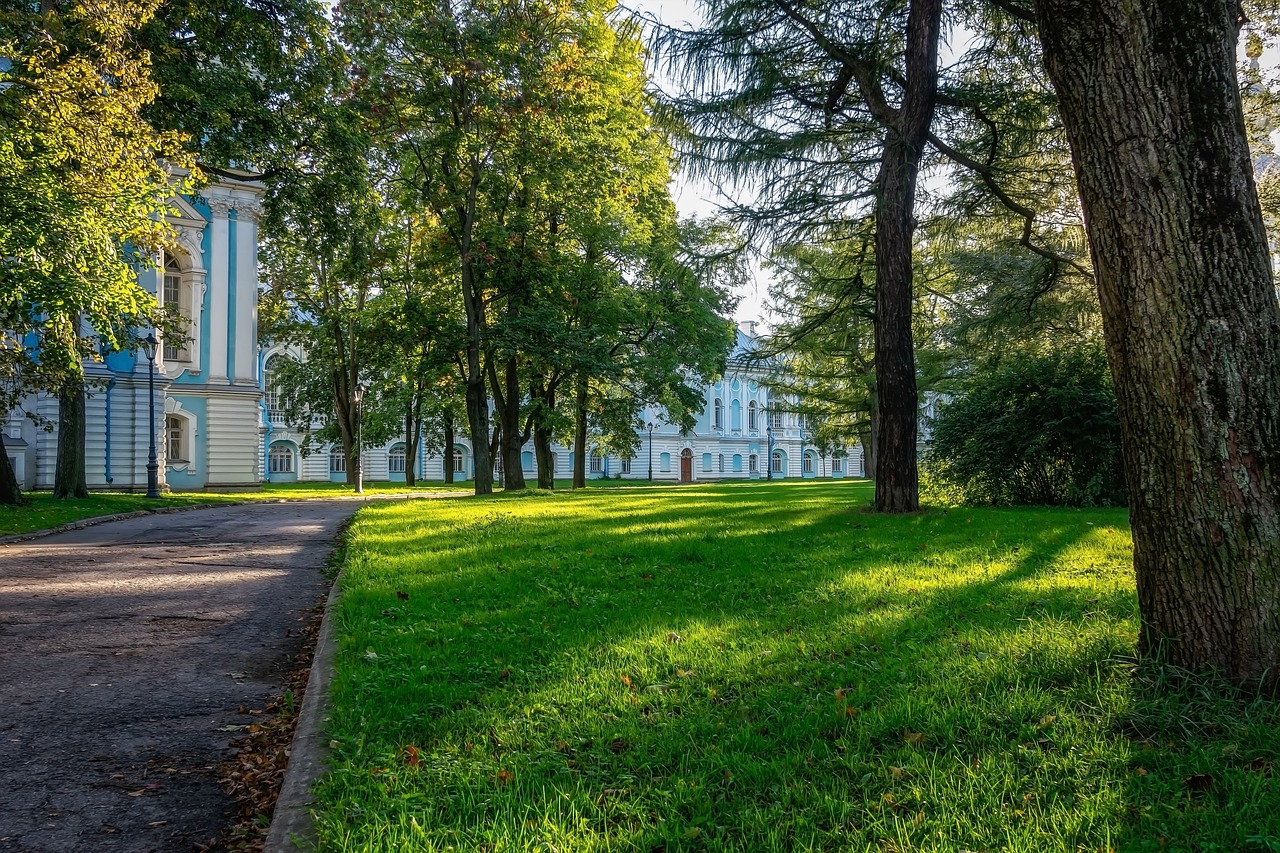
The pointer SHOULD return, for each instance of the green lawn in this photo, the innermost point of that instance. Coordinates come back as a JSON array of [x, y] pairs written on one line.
[[762, 667], [44, 512]]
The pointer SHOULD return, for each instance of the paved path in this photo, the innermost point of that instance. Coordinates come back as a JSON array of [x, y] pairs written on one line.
[[126, 650]]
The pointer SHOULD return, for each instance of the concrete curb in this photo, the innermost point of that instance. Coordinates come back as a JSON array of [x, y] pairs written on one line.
[[292, 826]]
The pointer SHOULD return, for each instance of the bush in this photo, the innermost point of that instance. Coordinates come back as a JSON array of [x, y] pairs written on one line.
[[1030, 428]]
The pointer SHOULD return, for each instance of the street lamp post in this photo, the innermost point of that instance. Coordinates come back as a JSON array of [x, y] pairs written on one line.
[[769, 462], [359, 399], [651, 426], [153, 468]]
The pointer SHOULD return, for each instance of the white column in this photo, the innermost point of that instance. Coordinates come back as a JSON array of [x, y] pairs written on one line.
[[245, 323], [219, 262]]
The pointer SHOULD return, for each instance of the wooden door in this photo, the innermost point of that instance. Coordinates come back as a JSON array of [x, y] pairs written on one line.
[[686, 467]]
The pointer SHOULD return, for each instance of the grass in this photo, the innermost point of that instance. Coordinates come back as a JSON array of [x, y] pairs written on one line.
[[44, 512], [768, 667]]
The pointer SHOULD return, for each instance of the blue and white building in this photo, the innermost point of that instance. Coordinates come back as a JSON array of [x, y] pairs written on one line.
[[744, 431], [207, 401]]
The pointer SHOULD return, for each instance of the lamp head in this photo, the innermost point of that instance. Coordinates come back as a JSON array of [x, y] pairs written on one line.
[[361, 388], [149, 344]]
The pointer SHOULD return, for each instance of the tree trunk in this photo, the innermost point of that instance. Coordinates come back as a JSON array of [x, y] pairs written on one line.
[[897, 480], [473, 303], [1151, 105], [412, 422], [69, 473], [508, 404], [10, 491], [448, 447], [544, 400], [580, 435]]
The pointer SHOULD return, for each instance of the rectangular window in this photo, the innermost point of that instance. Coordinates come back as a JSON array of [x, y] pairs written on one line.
[[173, 299], [396, 460], [807, 463], [626, 466], [457, 462], [337, 461], [753, 463], [173, 430], [280, 459], [720, 464], [775, 421], [597, 463], [837, 465]]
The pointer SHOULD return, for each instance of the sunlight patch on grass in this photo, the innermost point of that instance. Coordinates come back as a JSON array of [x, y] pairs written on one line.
[[767, 667]]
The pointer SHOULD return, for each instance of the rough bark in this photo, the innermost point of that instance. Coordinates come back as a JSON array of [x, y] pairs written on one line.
[[69, 472], [580, 435], [10, 491], [1150, 101], [897, 481]]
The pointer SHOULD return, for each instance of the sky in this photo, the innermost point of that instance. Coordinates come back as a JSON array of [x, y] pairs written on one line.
[[696, 197]]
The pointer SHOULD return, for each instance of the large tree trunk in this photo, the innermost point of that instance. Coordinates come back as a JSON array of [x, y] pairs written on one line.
[[449, 439], [897, 479], [580, 435], [1151, 104], [69, 474], [10, 491]]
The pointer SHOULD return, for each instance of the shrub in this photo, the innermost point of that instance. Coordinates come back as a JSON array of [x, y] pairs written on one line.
[[1030, 428]]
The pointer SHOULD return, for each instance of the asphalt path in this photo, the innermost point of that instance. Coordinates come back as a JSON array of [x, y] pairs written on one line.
[[127, 651]]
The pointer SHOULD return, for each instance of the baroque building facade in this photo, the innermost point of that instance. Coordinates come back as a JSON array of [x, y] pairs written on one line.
[[743, 432], [206, 407]]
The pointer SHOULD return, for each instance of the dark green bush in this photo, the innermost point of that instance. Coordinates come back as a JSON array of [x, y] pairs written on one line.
[[1030, 428]]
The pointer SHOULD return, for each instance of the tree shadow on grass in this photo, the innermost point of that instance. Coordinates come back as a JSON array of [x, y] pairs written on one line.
[[733, 674]]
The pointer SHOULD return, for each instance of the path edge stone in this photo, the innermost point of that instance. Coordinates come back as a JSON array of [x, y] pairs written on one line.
[[292, 825]]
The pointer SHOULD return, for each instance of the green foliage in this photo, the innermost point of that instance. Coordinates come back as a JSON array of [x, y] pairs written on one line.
[[1031, 427], [752, 667], [84, 186]]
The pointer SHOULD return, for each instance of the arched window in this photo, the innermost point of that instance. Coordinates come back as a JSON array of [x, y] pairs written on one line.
[[396, 458], [837, 464], [751, 415], [718, 414], [280, 458], [176, 297], [720, 464], [777, 462], [597, 463], [175, 439], [526, 461], [737, 463], [458, 465], [807, 463], [337, 460], [271, 390], [664, 463], [706, 462], [735, 416]]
